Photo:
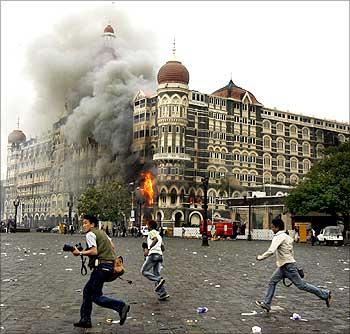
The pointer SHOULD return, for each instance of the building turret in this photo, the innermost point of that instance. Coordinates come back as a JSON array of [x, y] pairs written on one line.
[[172, 105], [108, 40], [16, 137]]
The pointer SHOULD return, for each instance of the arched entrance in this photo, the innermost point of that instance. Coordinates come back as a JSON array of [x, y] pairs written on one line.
[[159, 218], [178, 219], [195, 219]]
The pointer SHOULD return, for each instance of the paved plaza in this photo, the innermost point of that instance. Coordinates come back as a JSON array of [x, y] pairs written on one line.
[[41, 288]]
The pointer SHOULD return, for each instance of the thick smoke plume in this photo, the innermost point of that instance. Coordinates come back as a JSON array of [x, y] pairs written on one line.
[[73, 67]]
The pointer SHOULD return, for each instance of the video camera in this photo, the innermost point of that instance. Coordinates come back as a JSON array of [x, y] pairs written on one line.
[[70, 248]]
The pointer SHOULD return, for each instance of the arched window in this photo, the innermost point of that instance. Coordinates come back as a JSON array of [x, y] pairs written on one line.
[[267, 143], [236, 155], [280, 128], [173, 196], [267, 178], [244, 176], [294, 179], [211, 197], [319, 135], [281, 162], [306, 165], [237, 173], [319, 151], [293, 147], [253, 176], [294, 165], [281, 178], [293, 131], [305, 133], [163, 196], [267, 161], [306, 149], [253, 158], [341, 138], [212, 173], [266, 126], [280, 145]]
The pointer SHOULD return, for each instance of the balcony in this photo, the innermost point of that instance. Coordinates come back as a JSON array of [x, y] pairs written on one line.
[[172, 156]]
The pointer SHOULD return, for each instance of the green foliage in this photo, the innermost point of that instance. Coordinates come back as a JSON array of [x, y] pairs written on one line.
[[326, 188], [107, 201]]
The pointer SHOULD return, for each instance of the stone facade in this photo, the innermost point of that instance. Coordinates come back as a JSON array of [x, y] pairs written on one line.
[[229, 136]]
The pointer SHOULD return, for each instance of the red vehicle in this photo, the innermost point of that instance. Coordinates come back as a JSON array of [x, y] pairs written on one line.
[[223, 227]]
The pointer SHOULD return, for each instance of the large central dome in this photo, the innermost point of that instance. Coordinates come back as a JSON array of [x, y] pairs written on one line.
[[173, 72]]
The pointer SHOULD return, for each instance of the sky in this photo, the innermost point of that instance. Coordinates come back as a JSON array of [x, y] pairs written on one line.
[[291, 55]]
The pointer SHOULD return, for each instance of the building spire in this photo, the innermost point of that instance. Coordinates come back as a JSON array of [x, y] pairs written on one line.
[[17, 122], [174, 50]]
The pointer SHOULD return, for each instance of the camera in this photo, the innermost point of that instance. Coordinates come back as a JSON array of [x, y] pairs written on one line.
[[70, 248]]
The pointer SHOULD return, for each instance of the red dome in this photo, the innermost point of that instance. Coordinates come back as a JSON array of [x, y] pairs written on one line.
[[109, 29], [173, 71], [16, 136]]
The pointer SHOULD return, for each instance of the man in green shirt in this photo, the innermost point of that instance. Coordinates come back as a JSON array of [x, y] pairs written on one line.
[[101, 246]]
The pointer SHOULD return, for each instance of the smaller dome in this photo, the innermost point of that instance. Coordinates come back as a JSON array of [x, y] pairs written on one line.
[[173, 71], [16, 137], [109, 29]]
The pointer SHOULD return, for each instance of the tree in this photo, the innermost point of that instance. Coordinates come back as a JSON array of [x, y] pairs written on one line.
[[326, 187], [108, 201]]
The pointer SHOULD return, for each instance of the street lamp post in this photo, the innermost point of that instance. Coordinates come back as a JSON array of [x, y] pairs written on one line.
[[70, 207], [205, 242], [16, 204], [249, 202], [132, 213]]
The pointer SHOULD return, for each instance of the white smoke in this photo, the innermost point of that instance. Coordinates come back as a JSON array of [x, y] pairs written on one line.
[[73, 67]]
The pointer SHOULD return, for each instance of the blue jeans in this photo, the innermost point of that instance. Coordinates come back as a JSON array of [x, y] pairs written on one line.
[[93, 293], [151, 270], [290, 271]]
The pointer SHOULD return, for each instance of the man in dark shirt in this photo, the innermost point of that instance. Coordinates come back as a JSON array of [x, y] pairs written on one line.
[[101, 246]]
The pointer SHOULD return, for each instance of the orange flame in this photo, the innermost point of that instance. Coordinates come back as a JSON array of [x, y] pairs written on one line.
[[147, 189]]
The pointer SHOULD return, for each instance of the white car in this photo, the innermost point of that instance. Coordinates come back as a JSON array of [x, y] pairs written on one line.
[[56, 229], [330, 235]]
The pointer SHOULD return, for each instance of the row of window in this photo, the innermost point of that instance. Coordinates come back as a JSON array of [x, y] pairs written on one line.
[[217, 101], [217, 115], [293, 146], [172, 111], [177, 149], [170, 170], [244, 139], [217, 135], [305, 119], [281, 162], [244, 120]]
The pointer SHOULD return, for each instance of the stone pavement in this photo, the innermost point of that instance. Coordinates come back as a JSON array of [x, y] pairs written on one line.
[[39, 294]]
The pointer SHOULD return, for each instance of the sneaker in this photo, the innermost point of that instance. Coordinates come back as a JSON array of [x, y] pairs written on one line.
[[163, 297], [160, 284], [123, 313], [83, 324], [263, 305], [329, 299]]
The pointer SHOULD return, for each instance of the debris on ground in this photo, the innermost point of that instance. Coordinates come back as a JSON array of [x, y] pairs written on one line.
[[202, 309], [256, 329], [250, 313]]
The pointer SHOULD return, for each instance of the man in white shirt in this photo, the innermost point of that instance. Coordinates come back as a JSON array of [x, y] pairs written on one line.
[[154, 259], [282, 245]]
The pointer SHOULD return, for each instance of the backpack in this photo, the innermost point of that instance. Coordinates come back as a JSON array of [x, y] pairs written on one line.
[[118, 269]]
